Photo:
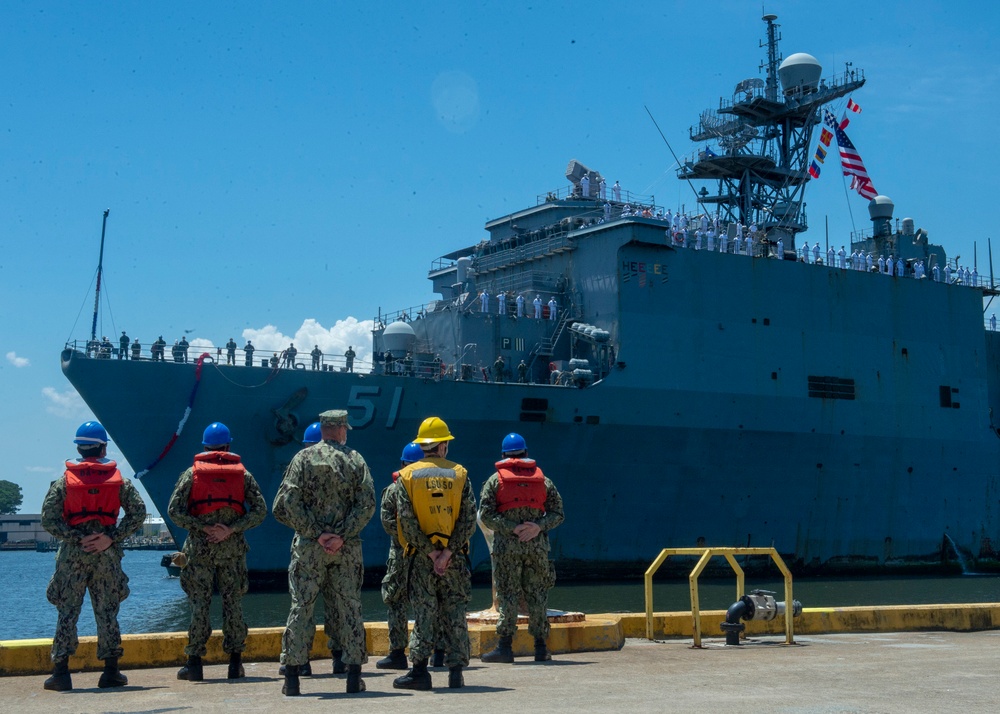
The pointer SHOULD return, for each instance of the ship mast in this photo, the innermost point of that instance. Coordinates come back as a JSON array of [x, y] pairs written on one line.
[[762, 137], [100, 270]]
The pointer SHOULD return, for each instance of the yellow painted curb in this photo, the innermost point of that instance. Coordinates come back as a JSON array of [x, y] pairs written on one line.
[[600, 632]]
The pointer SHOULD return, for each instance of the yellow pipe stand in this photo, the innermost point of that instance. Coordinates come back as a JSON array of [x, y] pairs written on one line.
[[706, 554]]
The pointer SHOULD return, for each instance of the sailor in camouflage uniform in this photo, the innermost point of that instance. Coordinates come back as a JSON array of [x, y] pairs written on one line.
[[437, 517], [216, 500], [520, 505], [394, 582], [327, 497], [81, 511]]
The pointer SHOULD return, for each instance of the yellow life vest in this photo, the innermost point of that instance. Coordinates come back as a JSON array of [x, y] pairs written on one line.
[[435, 487]]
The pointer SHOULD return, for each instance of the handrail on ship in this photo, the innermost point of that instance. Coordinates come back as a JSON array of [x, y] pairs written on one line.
[[261, 357], [706, 554]]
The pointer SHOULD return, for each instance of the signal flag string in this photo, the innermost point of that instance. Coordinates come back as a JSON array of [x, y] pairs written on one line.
[[183, 421]]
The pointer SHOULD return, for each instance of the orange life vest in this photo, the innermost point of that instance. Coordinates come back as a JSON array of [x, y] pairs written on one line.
[[218, 483], [93, 492], [522, 485]]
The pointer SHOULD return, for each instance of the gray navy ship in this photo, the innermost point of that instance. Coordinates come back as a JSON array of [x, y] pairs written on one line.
[[680, 390]]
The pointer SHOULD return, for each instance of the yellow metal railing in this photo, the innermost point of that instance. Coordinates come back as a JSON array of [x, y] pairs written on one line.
[[706, 555]]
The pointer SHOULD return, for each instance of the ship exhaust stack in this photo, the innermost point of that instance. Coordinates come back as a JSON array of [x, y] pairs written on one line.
[[758, 605]]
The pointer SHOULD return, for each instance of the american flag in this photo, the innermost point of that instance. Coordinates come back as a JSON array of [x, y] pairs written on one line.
[[850, 159]]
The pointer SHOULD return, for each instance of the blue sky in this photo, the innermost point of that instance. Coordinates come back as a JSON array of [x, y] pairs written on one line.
[[283, 171]]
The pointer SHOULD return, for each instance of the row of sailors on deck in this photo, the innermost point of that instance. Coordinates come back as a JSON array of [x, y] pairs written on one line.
[[504, 296], [600, 188], [857, 260]]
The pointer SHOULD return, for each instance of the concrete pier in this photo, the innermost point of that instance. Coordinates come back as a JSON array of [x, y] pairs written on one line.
[[858, 660]]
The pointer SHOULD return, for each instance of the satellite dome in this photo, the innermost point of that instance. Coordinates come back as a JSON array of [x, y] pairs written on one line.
[[880, 207], [800, 73], [397, 338]]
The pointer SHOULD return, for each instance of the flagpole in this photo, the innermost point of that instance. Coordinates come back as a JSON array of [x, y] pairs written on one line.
[[100, 270]]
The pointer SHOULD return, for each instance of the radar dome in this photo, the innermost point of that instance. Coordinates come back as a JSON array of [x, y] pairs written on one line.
[[398, 337], [880, 207], [800, 73]]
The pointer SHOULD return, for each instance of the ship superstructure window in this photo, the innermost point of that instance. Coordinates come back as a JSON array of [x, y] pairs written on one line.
[[831, 387]]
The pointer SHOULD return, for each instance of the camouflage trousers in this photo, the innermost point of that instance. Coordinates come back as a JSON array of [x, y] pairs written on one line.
[[527, 575], [439, 603], [394, 596], [311, 573], [197, 580], [102, 574]]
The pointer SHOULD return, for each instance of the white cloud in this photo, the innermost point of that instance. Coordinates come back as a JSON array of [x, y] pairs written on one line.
[[17, 361], [68, 404], [40, 469], [333, 341]]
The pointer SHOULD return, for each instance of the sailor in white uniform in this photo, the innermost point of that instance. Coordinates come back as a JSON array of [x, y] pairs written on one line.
[[537, 302], [602, 189], [975, 277], [869, 261], [936, 273], [607, 211], [781, 249], [890, 266], [750, 244], [993, 322], [723, 242], [484, 301], [520, 305], [816, 253], [947, 274], [585, 186], [900, 268], [552, 308], [710, 240], [502, 303], [842, 256], [697, 239], [616, 191], [831, 257], [881, 264]]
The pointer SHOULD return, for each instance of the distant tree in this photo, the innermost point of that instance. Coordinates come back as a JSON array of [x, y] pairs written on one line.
[[10, 497]]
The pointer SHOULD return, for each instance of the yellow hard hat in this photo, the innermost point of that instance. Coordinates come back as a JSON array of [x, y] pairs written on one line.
[[432, 430]]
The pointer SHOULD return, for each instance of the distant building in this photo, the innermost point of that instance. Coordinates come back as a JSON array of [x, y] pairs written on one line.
[[23, 527]]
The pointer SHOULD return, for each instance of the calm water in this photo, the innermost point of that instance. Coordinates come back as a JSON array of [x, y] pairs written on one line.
[[157, 603]]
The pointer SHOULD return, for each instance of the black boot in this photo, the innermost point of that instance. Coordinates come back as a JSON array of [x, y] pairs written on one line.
[[417, 678], [60, 681], [455, 679], [503, 652], [396, 659], [236, 670], [192, 671], [111, 677], [305, 670], [338, 664], [438, 660], [291, 686], [354, 682], [541, 651]]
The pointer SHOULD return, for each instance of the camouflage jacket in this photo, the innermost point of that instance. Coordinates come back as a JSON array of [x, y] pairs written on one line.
[[327, 488]]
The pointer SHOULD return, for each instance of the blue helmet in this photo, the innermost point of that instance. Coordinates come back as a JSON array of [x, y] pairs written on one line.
[[216, 434], [411, 452], [313, 434], [90, 433], [513, 442]]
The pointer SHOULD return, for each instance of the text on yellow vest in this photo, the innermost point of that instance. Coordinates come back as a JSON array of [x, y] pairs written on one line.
[[435, 487]]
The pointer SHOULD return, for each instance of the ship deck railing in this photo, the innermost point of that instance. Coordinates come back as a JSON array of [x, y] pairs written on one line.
[[269, 359], [575, 193]]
